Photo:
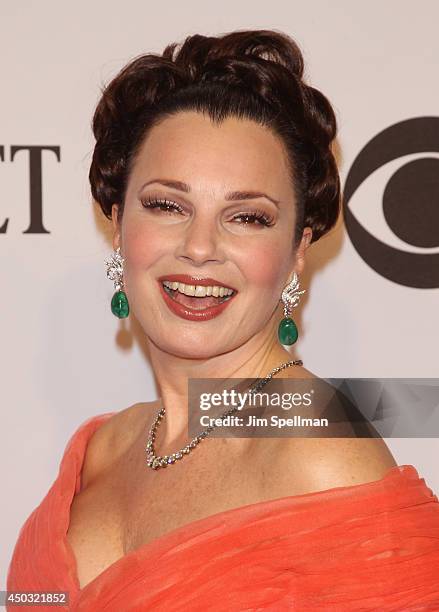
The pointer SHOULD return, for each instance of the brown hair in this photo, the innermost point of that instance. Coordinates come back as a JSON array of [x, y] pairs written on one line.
[[252, 74]]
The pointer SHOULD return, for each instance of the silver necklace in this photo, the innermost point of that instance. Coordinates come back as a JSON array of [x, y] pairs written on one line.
[[158, 461]]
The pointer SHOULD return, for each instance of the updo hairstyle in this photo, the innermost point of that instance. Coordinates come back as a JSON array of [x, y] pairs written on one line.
[[250, 74]]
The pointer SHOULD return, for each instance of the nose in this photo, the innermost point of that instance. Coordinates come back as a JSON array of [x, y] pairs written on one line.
[[200, 241]]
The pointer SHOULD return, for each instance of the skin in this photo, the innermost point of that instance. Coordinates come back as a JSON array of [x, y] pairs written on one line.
[[204, 240], [122, 504]]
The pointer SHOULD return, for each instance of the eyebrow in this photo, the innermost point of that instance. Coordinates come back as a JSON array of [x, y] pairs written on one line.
[[230, 196]]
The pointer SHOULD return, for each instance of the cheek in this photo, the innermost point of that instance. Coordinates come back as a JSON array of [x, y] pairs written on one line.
[[263, 266], [141, 246]]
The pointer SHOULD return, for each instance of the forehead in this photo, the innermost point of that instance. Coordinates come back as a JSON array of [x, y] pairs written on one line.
[[236, 153]]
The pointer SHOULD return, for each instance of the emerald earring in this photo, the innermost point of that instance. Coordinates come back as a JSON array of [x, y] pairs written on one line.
[[119, 302], [287, 331]]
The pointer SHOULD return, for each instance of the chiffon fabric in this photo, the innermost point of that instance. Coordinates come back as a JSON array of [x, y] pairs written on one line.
[[372, 546]]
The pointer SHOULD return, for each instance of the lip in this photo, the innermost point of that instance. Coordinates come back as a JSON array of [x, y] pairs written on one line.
[[190, 314], [193, 280]]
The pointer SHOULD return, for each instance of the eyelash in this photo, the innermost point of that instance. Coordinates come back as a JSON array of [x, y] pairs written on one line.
[[168, 206]]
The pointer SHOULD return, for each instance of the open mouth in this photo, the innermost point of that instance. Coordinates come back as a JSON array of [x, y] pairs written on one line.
[[194, 302]]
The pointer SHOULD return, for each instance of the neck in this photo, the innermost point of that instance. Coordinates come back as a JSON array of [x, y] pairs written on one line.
[[255, 359]]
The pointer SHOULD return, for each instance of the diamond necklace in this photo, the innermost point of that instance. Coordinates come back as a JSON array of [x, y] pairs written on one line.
[[158, 461]]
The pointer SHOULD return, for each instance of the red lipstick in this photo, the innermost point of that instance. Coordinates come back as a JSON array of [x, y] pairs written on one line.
[[186, 312]]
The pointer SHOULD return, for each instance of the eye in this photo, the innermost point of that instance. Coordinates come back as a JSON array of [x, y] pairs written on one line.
[[250, 218], [169, 207], [162, 204]]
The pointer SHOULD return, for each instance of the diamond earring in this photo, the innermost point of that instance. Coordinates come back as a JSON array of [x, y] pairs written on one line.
[[287, 331], [119, 302]]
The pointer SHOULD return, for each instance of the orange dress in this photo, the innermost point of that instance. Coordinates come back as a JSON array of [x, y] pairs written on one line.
[[372, 546]]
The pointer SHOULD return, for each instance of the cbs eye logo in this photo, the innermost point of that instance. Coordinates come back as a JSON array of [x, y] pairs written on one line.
[[409, 215]]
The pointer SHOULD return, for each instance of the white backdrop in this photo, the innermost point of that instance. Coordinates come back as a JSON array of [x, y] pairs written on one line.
[[65, 357]]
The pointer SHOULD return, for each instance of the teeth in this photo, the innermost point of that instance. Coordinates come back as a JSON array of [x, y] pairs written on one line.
[[198, 290], [188, 290]]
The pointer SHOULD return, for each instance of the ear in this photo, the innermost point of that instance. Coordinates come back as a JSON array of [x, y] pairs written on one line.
[[116, 226], [299, 262]]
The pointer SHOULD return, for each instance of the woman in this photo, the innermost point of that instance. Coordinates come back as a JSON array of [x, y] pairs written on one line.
[[214, 163]]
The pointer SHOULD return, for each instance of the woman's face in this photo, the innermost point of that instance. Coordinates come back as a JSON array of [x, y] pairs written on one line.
[[201, 230]]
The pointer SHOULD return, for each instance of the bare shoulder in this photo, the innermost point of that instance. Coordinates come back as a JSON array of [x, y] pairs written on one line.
[[338, 462], [315, 464], [111, 439]]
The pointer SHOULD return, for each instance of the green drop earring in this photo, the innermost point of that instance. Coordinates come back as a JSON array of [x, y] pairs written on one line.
[[287, 331], [119, 302]]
